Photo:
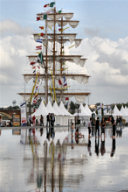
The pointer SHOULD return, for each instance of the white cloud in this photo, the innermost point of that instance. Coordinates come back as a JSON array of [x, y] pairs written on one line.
[[107, 61], [11, 27]]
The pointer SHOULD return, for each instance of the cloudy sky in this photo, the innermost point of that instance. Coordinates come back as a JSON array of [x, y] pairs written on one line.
[[103, 28]]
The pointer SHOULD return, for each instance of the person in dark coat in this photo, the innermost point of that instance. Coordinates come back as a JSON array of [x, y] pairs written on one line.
[[97, 127]]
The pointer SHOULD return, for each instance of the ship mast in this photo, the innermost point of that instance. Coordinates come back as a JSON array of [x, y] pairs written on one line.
[[46, 65], [56, 62]]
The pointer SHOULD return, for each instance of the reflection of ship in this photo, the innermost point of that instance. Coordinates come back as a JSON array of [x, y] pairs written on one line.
[[51, 65], [27, 137], [54, 169]]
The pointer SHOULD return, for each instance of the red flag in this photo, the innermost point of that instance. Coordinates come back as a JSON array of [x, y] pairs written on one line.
[[38, 47], [34, 101], [38, 18], [41, 34], [60, 82], [66, 98], [47, 5], [32, 63], [41, 27], [60, 29]]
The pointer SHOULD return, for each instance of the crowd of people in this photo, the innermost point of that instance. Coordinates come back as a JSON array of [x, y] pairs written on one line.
[[32, 121], [97, 127]]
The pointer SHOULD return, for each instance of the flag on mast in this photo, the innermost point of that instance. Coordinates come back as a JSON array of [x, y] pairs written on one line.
[[40, 57], [64, 81]]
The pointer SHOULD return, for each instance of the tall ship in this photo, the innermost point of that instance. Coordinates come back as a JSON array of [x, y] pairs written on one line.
[[51, 77]]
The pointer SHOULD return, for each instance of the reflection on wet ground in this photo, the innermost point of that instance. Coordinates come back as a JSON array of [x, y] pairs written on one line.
[[39, 160]]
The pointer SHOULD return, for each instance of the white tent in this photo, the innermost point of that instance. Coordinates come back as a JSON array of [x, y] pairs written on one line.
[[87, 110], [42, 110], [84, 111], [50, 108], [64, 110], [61, 113], [56, 108], [116, 112], [124, 112]]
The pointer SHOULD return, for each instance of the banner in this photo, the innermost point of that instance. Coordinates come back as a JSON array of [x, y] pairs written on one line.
[[23, 114], [16, 120]]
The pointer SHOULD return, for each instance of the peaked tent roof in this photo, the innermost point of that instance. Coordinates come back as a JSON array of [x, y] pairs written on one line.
[[87, 110], [124, 111], [49, 108], [42, 110], [116, 111], [64, 110], [56, 109]]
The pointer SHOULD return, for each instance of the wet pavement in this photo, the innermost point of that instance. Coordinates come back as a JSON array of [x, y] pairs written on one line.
[[31, 162]]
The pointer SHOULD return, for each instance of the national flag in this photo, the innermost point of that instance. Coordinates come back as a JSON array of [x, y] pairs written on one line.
[[39, 40], [32, 63], [40, 56], [60, 82], [38, 47], [66, 98], [64, 81], [41, 27], [37, 18]]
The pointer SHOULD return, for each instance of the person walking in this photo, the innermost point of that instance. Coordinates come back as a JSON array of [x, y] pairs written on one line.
[[103, 124], [114, 129], [97, 127], [89, 127]]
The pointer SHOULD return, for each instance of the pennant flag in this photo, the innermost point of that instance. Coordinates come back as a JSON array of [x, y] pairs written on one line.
[[60, 82], [37, 18], [66, 98], [71, 46], [38, 47], [64, 81], [50, 27], [40, 56], [34, 71], [60, 29], [44, 16], [41, 27], [32, 63], [34, 101], [52, 4], [60, 11], [34, 67], [23, 104], [47, 5], [63, 29], [39, 40], [41, 34]]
